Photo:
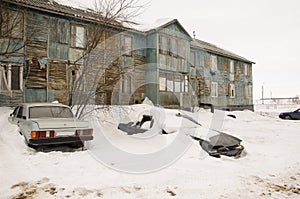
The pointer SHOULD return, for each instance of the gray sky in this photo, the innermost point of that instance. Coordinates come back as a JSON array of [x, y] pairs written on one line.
[[264, 31]]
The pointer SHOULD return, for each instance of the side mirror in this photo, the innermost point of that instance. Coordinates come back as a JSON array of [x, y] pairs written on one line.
[[11, 115], [24, 117]]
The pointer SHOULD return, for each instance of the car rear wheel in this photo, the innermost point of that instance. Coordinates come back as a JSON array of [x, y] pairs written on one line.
[[287, 117]]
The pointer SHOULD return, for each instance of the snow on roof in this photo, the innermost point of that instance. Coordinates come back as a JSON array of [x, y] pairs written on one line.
[[86, 4], [146, 27]]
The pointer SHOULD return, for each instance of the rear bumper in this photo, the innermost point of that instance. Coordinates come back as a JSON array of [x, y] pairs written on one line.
[[60, 140]]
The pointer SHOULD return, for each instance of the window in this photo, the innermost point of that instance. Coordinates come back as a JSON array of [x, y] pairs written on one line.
[[246, 70], [214, 63], [214, 89], [248, 91], [49, 112], [231, 66], [186, 84], [232, 91], [193, 58], [170, 82], [182, 48], [163, 45], [127, 45], [11, 77], [177, 83], [162, 81], [126, 84], [78, 36], [174, 47]]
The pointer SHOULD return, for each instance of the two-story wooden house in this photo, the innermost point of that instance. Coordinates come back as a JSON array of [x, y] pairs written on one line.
[[50, 52]]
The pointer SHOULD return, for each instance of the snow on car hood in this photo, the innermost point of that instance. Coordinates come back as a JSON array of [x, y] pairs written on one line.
[[60, 123]]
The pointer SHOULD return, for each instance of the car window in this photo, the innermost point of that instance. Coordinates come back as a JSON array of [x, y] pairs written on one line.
[[20, 112], [50, 112], [14, 113]]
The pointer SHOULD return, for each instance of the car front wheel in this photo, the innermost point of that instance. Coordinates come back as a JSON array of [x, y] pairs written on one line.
[[287, 117]]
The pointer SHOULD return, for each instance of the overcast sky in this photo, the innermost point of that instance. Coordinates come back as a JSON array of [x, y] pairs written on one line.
[[265, 31]]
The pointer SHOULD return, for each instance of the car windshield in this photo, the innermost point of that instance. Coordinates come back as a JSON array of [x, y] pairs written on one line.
[[50, 112]]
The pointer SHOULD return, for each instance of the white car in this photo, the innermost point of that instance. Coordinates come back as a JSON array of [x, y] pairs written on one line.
[[49, 124]]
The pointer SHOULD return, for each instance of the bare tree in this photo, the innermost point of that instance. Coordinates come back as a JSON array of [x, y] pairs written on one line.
[[11, 32], [100, 70]]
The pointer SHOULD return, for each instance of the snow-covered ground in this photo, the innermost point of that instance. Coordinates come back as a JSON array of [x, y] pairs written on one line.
[[155, 165]]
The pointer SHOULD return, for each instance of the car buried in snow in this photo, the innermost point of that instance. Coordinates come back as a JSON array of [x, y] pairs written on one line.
[[50, 124], [295, 115]]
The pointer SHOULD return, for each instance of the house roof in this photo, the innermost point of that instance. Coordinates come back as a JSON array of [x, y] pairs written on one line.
[[217, 50], [57, 7], [159, 24]]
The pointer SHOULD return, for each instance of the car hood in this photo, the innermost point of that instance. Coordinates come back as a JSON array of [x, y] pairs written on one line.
[[59, 123], [285, 113]]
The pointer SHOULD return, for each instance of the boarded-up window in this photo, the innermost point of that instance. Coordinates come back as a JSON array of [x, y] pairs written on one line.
[[214, 63], [126, 47], [214, 89], [207, 61], [224, 64], [78, 36], [163, 45]]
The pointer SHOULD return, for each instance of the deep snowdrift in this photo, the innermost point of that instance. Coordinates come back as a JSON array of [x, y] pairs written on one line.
[[172, 165]]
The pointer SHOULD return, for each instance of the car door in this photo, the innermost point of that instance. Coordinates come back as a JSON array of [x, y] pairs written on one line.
[[297, 114], [19, 117], [13, 116]]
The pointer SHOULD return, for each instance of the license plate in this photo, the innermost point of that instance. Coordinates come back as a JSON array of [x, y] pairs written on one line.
[[65, 133]]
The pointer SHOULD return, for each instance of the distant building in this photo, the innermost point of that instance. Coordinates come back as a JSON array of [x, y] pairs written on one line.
[[162, 62]]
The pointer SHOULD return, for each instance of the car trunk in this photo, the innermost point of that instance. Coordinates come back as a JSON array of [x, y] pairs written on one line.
[[61, 126]]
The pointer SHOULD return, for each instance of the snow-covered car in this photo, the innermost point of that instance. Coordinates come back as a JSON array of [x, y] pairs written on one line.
[[295, 115], [49, 124]]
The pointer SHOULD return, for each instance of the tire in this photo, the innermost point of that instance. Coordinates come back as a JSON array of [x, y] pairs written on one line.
[[287, 117]]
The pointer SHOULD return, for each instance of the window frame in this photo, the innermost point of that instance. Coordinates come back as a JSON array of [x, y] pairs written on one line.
[[214, 89], [232, 91], [74, 36], [214, 63], [8, 79], [124, 48]]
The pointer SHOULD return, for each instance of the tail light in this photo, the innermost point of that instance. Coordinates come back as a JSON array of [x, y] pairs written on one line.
[[84, 132], [42, 134]]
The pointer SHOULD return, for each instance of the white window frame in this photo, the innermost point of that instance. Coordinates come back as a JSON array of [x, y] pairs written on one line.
[[214, 89], [186, 84], [78, 36], [6, 79]]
